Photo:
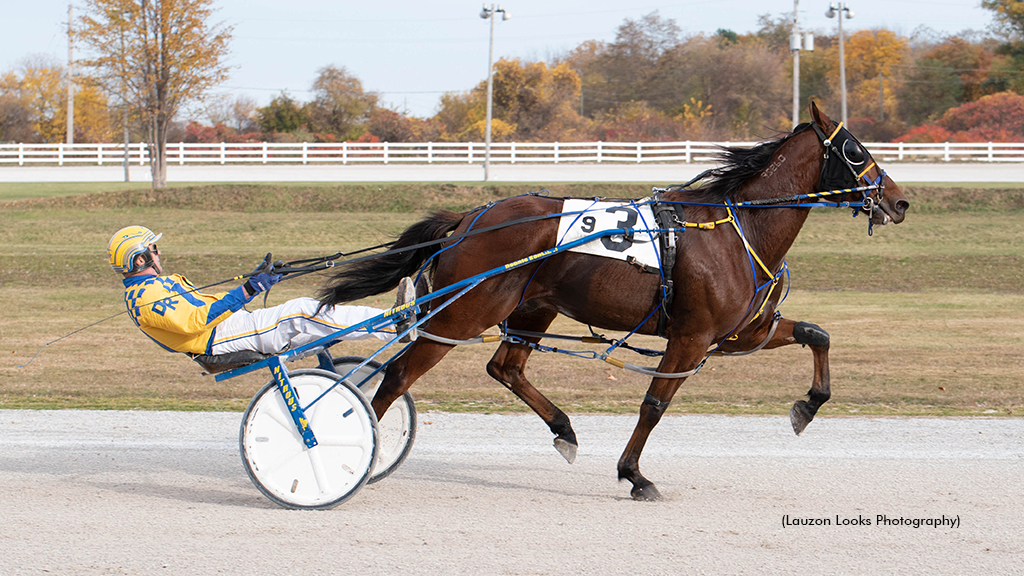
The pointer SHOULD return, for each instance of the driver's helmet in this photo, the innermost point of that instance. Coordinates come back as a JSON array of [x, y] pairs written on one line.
[[128, 243]]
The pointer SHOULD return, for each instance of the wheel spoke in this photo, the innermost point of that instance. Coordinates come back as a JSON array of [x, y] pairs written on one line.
[[352, 440], [322, 480]]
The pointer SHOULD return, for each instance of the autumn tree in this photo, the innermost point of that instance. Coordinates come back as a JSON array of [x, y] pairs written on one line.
[[340, 106], [616, 73], [35, 105], [537, 102], [161, 54], [282, 115], [994, 118]]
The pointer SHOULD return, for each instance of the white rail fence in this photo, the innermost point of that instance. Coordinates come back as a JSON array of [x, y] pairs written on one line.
[[465, 152]]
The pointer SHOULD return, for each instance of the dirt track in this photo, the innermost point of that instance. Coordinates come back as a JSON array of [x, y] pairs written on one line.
[[165, 493]]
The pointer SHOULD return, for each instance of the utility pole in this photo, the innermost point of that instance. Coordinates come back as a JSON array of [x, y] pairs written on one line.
[[71, 85], [796, 63], [798, 42], [840, 9]]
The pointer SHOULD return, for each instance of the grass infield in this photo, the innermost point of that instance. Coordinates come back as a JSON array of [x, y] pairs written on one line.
[[926, 318]]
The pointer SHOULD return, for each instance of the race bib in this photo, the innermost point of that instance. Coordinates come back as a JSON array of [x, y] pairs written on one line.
[[599, 216]]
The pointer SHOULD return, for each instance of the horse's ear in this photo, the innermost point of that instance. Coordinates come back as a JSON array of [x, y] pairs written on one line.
[[820, 118]]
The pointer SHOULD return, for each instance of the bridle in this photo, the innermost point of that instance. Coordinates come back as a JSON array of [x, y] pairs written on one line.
[[844, 160]]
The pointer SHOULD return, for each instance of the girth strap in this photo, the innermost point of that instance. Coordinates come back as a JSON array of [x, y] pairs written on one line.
[[668, 216]]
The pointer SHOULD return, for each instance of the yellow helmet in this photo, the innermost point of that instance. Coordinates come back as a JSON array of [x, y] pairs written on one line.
[[128, 243]]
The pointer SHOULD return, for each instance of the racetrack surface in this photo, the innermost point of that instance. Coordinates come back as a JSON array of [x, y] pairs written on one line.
[[89, 492]]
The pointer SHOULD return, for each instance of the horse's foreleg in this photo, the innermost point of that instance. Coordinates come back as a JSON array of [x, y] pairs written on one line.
[[679, 357], [805, 333], [406, 369], [507, 366]]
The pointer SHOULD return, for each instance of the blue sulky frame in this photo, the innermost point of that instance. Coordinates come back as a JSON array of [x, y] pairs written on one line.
[[387, 318]]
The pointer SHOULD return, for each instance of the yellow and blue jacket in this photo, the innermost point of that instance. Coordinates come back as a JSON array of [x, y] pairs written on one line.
[[174, 315]]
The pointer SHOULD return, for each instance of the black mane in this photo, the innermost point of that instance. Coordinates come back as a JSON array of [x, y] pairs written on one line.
[[740, 164]]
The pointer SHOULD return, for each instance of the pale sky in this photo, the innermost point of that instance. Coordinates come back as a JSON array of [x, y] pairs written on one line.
[[410, 52]]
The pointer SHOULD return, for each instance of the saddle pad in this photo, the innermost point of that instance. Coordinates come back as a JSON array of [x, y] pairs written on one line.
[[599, 216]]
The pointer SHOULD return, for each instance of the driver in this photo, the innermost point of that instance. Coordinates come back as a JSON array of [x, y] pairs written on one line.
[[169, 310]]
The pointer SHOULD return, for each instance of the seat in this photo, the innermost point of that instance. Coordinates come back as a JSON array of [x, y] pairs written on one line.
[[215, 364]]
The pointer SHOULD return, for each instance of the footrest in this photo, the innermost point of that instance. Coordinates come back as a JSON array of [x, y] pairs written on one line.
[[214, 364]]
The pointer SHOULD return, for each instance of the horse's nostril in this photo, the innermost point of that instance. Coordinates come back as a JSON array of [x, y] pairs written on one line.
[[901, 206]]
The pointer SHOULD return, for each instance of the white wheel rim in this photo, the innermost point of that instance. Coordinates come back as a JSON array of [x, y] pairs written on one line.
[[326, 473]]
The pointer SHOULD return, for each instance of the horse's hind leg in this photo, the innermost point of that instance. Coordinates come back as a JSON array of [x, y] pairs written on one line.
[[805, 333], [507, 365]]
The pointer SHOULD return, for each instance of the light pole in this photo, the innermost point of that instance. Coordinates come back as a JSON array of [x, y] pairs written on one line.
[[834, 9], [485, 13]]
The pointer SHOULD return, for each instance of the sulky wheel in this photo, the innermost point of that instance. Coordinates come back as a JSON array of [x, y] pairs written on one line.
[[276, 458], [396, 431]]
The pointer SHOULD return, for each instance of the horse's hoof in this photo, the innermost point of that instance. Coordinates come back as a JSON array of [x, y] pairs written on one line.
[[645, 494], [566, 449], [800, 416]]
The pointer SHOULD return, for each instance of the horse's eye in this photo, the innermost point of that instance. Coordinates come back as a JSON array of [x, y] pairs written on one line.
[[853, 153]]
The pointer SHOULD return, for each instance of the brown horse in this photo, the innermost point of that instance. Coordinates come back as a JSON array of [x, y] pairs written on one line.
[[720, 298]]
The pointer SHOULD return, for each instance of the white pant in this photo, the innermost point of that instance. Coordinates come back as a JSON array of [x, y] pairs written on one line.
[[290, 325]]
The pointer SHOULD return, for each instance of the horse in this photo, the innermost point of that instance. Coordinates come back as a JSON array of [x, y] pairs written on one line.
[[720, 300]]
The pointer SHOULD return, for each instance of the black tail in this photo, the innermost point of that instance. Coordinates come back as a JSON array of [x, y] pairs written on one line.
[[378, 275]]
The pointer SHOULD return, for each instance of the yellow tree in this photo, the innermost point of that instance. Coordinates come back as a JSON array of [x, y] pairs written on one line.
[[871, 56], [159, 55], [40, 92]]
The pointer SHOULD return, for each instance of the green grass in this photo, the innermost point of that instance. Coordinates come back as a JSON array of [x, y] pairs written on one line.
[[927, 318]]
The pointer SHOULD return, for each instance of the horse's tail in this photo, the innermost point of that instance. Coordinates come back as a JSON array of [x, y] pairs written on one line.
[[377, 275]]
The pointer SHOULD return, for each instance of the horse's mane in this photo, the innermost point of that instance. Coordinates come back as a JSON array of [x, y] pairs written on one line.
[[740, 164]]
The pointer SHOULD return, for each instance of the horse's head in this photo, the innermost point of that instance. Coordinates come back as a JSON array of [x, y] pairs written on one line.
[[847, 164]]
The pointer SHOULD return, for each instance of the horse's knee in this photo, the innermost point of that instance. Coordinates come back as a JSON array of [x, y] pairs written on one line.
[[654, 409], [812, 334]]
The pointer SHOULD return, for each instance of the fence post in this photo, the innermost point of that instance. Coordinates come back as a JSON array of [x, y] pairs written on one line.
[[265, 153], [60, 154], [181, 153], [513, 152], [900, 156], [470, 152], [990, 158], [221, 152], [99, 153], [946, 148], [556, 152], [305, 152], [385, 152], [344, 152], [430, 152], [637, 152], [599, 151], [689, 152], [21, 153]]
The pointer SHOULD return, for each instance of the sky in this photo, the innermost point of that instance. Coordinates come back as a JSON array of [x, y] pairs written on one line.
[[410, 52]]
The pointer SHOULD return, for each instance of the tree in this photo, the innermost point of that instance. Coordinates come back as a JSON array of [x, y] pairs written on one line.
[[928, 91], [15, 114], [537, 102], [35, 105], [1009, 15], [994, 118], [340, 106], [283, 114], [160, 54], [627, 64]]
